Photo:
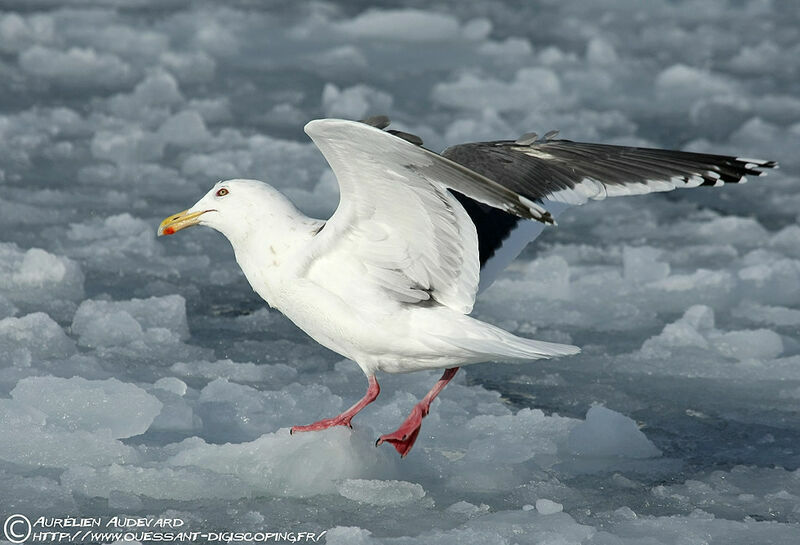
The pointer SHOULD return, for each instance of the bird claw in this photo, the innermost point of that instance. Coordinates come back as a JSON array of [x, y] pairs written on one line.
[[387, 439], [402, 443], [344, 418], [404, 437], [322, 425]]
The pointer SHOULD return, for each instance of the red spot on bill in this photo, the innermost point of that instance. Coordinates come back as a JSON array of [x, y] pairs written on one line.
[[169, 231]]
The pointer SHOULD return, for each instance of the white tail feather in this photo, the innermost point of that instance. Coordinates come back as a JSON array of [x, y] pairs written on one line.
[[505, 346]]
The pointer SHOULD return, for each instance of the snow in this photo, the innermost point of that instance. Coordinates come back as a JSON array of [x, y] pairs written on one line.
[[31, 441], [528, 87], [354, 102], [184, 129], [35, 279], [75, 67], [688, 85], [171, 384], [139, 315], [33, 337], [143, 377], [376, 492], [600, 51], [402, 24], [159, 89], [642, 265], [547, 507], [122, 409], [608, 433]]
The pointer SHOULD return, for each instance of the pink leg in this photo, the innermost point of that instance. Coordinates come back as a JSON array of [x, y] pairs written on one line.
[[344, 419], [404, 437]]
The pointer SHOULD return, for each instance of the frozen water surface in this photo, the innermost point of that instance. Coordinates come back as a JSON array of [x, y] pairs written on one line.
[[143, 377]]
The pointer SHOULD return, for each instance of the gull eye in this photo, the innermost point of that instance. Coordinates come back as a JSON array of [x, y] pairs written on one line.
[[222, 192]]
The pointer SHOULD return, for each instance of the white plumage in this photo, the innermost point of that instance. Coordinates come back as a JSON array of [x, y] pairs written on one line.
[[388, 281]]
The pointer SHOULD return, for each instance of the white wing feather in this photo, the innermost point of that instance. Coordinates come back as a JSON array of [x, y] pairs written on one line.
[[395, 218]]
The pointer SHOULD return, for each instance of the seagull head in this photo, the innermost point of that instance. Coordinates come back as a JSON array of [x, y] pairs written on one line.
[[235, 208]]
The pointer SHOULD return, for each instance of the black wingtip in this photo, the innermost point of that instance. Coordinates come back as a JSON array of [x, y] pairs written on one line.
[[377, 121], [549, 135], [382, 121], [548, 219], [527, 139], [532, 209], [407, 136]]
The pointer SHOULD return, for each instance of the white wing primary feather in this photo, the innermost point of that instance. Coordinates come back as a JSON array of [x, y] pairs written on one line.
[[400, 222]]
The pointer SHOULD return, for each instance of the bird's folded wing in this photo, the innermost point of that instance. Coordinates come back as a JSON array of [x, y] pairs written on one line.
[[574, 172], [397, 220]]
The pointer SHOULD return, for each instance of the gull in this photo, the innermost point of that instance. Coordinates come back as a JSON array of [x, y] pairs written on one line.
[[389, 280]]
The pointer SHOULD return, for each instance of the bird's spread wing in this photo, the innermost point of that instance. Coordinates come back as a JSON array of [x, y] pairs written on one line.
[[574, 172], [560, 173], [396, 217], [349, 146], [414, 236]]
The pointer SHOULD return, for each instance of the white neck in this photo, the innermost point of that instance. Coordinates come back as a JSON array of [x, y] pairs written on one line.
[[264, 228], [264, 252]]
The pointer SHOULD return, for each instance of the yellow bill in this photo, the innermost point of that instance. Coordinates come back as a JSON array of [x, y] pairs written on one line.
[[179, 221]]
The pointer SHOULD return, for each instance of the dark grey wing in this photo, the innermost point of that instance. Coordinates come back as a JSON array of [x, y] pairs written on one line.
[[574, 172], [559, 173], [493, 225], [501, 236]]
